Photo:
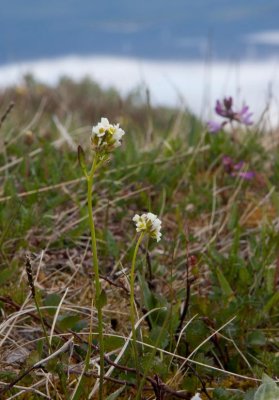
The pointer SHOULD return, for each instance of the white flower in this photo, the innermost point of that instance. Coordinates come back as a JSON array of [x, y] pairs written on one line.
[[106, 136], [196, 397], [150, 224], [118, 133]]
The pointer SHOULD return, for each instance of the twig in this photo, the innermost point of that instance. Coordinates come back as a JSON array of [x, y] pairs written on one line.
[[35, 317], [158, 390], [188, 287], [6, 113], [203, 388], [66, 346], [108, 378], [153, 382]]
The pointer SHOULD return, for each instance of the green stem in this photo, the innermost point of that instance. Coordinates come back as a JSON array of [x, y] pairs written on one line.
[[97, 279], [132, 302], [42, 322], [152, 355]]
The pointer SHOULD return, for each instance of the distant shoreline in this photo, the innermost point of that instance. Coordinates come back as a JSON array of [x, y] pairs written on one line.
[[193, 84]]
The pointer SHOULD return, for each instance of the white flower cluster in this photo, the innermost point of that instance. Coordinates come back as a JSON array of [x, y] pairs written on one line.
[[105, 136], [150, 224]]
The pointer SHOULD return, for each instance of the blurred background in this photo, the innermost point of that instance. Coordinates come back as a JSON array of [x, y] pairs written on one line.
[[187, 53]]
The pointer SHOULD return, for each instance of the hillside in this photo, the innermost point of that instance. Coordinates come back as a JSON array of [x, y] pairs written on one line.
[[206, 295]]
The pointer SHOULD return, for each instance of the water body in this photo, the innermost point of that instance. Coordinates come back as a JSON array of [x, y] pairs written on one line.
[[188, 53], [191, 84], [154, 29]]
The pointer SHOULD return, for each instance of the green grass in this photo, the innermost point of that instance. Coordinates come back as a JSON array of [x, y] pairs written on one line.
[[170, 165]]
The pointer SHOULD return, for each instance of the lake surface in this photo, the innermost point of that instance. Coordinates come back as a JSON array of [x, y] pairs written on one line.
[[190, 84], [154, 29], [187, 53]]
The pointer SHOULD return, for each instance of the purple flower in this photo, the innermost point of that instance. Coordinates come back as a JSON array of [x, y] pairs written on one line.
[[219, 109], [213, 126], [245, 116], [238, 166], [227, 162], [248, 175], [225, 110], [230, 165], [236, 169]]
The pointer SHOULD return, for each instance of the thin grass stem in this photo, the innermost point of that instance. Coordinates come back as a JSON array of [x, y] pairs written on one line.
[[132, 302], [96, 280]]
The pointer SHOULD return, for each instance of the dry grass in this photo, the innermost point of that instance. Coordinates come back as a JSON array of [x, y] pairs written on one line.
[[225, 272]]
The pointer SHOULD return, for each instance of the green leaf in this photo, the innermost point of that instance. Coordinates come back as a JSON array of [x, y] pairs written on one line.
[[159, 337], [113, 343], [250, 394], [270, 273], [224, 394], [102, 300], [40, 347], [68, 322], [225, 286], [115, 394], [234, 217], [112, 246], [195, 334], [81, 324], [256, 338], [148, 297], [274, 197], [52, 300], [81, 160], [274, 299], [268, 390], [5, 275], [244, 275], [7, 375]]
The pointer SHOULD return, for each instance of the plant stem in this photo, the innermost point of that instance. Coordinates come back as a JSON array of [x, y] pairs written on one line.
[[97, 279], [42, 322], [132, 301], [152, 355], [34, 295]]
